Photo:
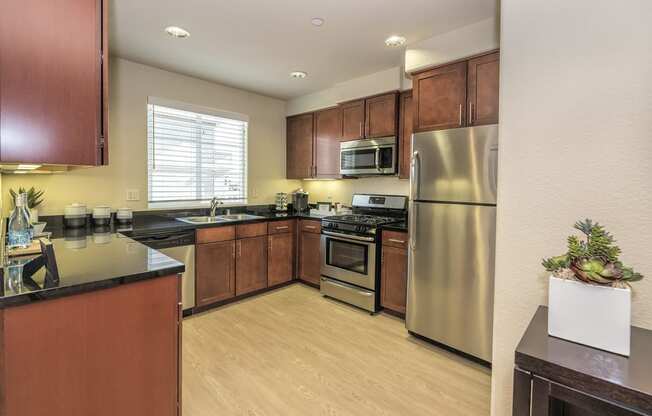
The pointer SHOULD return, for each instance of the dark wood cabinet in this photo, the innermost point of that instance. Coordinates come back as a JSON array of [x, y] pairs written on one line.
[[406, 128], [109, 352], [215, 272], [280, 259], [251, 265], [483, 81], [299, 163], [393, 285], [54, 82], [328, 130], [353, 123], [381, 115], [309, 251], [440, 97]]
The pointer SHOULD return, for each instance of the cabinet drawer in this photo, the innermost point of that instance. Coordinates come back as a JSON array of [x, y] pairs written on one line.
[[279, 227], [395, 239], [309, 226], [251, 230], [212, 235]]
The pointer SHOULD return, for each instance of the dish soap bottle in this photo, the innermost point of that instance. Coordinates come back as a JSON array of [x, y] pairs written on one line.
[[19, 230]]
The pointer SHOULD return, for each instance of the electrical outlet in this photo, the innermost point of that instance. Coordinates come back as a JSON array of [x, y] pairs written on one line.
[[133, 195]]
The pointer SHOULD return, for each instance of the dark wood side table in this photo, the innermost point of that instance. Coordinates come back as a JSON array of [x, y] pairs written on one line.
[[557, 377]]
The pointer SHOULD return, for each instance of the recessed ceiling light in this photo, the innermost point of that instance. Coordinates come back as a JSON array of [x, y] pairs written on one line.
[[317, 21], [298, 74], [395, 40], [177, 32]]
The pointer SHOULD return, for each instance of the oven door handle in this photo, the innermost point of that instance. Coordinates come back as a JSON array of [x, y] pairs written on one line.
[[349, 237]]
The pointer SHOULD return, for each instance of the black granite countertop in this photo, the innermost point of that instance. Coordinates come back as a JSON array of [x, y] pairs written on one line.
[[85, 263], [399, 226]]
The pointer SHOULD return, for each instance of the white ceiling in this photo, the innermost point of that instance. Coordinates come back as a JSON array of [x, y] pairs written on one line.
[[254, 44]]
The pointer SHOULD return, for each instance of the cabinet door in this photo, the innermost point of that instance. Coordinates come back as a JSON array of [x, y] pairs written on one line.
[[53, 85], [328, 130], [310, 257], [406, 118], [394, 278], [299, 164], [440, 98], [280, 258], [483, 89], [381, 116], [353, 120], [251, 265], [215, 272]]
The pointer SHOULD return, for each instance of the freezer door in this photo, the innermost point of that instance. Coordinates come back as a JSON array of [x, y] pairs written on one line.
[[451, 275], [457, 165]]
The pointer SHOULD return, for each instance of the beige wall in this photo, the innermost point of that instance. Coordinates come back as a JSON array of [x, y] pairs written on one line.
[[457, 44], [131, 84], [576, 142]]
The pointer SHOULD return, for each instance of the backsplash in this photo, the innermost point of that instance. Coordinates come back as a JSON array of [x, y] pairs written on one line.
[[342, 190]]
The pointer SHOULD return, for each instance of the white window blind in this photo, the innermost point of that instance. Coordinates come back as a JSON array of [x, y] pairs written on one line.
[[195, 154]]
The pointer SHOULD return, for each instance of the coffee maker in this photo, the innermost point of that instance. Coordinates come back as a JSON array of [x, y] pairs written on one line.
[[300, 201]]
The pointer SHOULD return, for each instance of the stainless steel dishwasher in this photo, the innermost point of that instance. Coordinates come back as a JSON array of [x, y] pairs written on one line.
[[181, 247]]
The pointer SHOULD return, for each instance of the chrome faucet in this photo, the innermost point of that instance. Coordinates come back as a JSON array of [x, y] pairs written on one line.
[[214, 204]]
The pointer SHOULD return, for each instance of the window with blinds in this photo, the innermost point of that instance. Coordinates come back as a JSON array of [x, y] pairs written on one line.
[[195, 154]]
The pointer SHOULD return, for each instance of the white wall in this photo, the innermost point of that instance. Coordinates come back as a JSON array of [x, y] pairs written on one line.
[[460, 43], [131, 84], [387, 80], [576, 142]]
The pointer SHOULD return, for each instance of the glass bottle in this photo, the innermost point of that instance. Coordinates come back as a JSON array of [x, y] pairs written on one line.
[[19, 230]]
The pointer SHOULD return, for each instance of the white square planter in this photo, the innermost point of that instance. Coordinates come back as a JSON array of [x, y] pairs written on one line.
[[597, 316]]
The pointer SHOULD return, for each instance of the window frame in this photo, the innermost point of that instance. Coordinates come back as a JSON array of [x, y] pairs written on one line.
[[177, 105]]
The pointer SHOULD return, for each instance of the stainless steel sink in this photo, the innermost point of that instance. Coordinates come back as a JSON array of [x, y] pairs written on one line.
[[201, 220], [238, 217], [218, 218]]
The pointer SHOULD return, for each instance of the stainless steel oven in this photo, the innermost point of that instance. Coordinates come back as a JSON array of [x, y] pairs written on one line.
[[349, 258], [368, 157]]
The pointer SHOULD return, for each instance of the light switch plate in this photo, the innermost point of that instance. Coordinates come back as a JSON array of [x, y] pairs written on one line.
[[133, 195]]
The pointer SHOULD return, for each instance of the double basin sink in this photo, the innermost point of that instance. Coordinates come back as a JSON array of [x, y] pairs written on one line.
[[218, 218]]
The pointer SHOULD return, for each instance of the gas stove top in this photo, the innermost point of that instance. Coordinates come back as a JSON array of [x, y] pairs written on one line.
[[361, 219]]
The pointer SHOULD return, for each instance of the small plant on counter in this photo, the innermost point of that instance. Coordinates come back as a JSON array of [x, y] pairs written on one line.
[[592, 258], [34, 197]]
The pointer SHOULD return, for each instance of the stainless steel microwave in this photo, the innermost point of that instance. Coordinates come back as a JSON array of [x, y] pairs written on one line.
[[368, 157]]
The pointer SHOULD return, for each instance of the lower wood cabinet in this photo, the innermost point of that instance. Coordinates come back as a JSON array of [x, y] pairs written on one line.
[[280, 259], [309, 251], [215, 272], [393, 285], [251, 265]]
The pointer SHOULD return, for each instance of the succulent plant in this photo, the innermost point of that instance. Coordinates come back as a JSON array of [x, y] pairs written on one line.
[[592, 258], [34, 197]]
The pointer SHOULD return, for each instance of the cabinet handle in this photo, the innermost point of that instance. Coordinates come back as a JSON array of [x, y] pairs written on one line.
[[460, 115], [470, 113], [270, 243], [393, 240], [360, 129], [233, 251], [310, 227], [284, 227], [239, 248]]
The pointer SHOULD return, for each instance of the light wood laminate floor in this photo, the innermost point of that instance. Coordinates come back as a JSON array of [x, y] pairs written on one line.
[[293, 352]]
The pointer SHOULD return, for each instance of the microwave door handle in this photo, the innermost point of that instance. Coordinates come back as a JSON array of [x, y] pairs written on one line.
[[377, 159]]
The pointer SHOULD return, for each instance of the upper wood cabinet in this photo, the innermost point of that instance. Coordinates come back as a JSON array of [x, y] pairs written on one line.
[[406, 127], [353, 125], [299, 146], [54, 82], [483, 89], [457, 95], [381, 116], [328, 130], [440, 97]]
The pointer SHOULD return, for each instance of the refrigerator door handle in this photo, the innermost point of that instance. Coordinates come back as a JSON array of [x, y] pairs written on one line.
[[415, 165]]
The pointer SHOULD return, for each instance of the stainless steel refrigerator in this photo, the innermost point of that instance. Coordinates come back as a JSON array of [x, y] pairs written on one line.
[[452, 225]]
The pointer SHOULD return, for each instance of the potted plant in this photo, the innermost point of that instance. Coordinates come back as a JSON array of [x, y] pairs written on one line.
[[34, 199], [589, 293]]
